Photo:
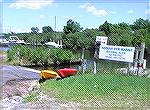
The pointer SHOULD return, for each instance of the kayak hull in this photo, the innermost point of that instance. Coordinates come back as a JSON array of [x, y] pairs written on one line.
[[48, 74], [66, 72]]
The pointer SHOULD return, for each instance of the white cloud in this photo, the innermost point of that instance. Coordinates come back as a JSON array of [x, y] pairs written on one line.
[[31, 4], [91, 8], [130, 11], [42, 16], [147, 11]]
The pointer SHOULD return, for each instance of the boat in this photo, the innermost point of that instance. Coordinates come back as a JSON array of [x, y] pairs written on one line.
[[53, 45], [66, 72], [48, 74], [13, 40]]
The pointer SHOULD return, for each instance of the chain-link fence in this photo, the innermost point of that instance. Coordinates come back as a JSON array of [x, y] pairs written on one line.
[[64, 70]]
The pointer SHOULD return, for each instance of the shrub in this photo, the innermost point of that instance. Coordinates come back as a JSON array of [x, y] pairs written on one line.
[[39, 55]]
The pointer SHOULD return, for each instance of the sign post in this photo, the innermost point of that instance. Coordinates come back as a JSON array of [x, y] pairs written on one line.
[[100, 40]]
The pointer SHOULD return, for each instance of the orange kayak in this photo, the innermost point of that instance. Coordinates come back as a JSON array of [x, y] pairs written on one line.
[[48, 74], [66, 72]]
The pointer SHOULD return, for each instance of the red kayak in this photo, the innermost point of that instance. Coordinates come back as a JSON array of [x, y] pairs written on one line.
[[66, 72]]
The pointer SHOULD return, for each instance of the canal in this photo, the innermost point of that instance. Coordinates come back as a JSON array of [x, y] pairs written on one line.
[[88, 63]]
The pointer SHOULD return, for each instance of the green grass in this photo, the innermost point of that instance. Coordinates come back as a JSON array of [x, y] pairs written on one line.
[[31, 98], [105, 87]]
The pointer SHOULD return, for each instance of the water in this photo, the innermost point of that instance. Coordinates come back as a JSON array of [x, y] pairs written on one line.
[[4, 48], [88, 64]]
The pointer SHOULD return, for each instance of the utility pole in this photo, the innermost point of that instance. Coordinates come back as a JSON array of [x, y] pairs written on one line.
[[55, 24], [55, 30]]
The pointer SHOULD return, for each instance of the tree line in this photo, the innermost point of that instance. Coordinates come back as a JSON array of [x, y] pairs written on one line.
[[75, 37]]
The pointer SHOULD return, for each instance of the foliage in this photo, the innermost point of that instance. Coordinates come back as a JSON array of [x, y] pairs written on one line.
[[139, 36], [34, 30], [63, 55], [140, 24], [47, 29], [40, 55], [78, 40], [74, 37], [106, 28], [72, 27]]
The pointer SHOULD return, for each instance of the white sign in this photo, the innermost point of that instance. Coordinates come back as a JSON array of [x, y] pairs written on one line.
[[116, 53], [101, 39]]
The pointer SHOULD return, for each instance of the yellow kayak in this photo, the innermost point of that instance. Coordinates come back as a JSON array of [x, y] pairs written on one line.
[[48, 74]]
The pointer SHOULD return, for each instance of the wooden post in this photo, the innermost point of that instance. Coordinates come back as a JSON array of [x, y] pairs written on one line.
[[82, 60], [94, 67], [61, 43], [129, 66], [136, 60], [82, 54], [142, 52], [84, 66], [141, 58]]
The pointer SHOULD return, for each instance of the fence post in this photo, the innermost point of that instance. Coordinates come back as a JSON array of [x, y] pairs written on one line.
[[136, 60], [82, 60], [94, 66], [129, 66], [82, 55], [141, 58]]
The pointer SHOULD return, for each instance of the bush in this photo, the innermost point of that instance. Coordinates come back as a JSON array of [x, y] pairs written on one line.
[[63, 55], [39, 55]]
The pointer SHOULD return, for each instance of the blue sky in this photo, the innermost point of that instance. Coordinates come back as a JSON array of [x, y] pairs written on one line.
[[20, 15]]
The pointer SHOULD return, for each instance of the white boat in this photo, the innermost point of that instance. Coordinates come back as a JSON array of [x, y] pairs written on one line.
[[53, 45], [12, 41]]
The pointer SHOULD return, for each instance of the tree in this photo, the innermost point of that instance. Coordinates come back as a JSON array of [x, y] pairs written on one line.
[[139, 37], [72, 27], [47, 29], [106, 28], [124, 26], [34, 30], [140, 24]]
